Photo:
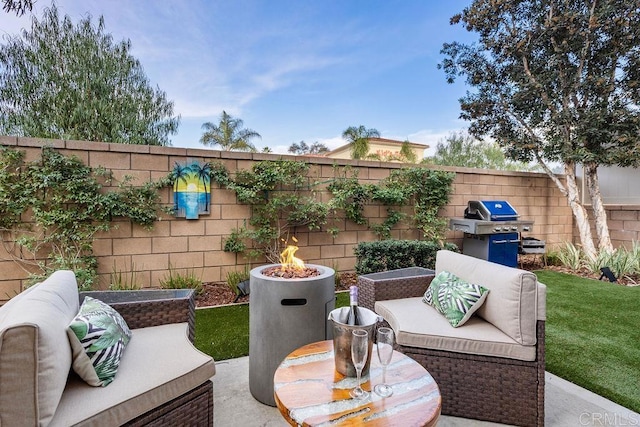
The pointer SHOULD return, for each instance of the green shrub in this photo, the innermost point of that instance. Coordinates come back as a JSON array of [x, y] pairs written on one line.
[[570, 256], [373, 257], [622, 262]]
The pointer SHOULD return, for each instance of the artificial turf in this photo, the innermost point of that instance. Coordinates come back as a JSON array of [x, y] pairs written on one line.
[[593, 335], [223, 332]]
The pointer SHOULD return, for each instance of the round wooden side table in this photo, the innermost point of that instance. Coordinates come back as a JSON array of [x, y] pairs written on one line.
[[309, 391]]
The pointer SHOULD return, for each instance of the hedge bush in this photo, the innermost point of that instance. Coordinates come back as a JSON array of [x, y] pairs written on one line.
[[374, 257]]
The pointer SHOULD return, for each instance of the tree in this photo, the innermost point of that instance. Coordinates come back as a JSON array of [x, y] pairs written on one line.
[[302, 148], [555, 81], [358, 138], [17, 6], [462, 149], [74, 82], [228, 134], [407, 153]]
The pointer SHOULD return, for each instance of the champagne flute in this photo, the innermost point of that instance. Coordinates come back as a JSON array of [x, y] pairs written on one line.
[[385, 352], [359, 351]]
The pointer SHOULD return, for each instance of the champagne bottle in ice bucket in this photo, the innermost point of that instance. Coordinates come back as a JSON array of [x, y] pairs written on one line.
[[344, 320], [354, 318]]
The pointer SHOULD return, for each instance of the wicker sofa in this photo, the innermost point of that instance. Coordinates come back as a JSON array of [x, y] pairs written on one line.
[[491, 368], [162, 378]]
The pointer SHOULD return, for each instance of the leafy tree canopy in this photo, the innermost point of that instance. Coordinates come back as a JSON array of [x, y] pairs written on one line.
[[358, 138], [63, 81], [461, 149], [228, 134], [555, 80], [304, 148], [407, 153], [17, 6]]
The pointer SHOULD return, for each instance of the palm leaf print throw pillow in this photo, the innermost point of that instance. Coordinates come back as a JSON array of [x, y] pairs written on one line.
[[98, 336], [454, 298]]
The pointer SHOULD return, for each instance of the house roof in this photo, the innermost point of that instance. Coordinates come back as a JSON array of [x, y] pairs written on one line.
[[380, 141]]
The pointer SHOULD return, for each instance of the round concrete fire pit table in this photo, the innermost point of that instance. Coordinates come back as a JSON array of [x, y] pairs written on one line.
[[285, 314]]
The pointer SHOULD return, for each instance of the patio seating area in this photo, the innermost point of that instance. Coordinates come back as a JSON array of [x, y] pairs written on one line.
[[565, 404]]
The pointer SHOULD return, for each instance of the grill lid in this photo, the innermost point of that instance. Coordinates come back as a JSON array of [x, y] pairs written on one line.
[[490, 210]]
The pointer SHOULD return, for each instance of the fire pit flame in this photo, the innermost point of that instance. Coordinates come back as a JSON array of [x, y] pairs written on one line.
[[290, 267], [289, 260]]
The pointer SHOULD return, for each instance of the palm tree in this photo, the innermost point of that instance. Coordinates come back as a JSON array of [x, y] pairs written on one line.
[[179, 173], [358, 138], [203, 172], [228, 134]]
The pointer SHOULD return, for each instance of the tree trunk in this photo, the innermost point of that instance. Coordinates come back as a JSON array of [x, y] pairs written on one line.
[[570, 190], [579, 212], [599, 213]]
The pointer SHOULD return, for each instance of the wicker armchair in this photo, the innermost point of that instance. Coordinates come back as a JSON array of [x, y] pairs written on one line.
[[489, 388], [146, 308]]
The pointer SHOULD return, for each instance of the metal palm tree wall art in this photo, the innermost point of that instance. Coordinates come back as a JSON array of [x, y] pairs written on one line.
[[191, 189]]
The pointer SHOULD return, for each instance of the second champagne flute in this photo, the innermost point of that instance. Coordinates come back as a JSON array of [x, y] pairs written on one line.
[[359, 352], [384, 346]]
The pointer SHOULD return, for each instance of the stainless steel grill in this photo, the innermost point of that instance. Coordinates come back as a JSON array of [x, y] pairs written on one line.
[[492, 231], [475, 226]]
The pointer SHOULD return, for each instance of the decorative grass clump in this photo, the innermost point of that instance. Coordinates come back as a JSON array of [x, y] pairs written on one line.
[[593, 335]]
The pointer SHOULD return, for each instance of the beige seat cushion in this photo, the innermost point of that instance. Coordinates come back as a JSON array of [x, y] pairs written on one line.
[[158, 365], [35, 355], [512, 303], [417, 324]]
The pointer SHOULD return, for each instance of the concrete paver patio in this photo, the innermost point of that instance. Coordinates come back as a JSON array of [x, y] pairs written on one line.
[[566, 404]]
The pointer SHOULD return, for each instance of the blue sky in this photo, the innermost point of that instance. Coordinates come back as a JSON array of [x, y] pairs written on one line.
[[292, 70]]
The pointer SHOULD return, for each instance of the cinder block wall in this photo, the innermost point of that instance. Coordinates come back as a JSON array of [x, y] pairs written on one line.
[[624, 225], [197, 244]]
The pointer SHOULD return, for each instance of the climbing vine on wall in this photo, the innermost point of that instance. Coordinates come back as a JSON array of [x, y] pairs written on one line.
[[422, 190], [283, 197], [67, 205]]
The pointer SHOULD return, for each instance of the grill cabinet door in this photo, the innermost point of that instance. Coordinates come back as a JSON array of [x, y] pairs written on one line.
[[503, 249]]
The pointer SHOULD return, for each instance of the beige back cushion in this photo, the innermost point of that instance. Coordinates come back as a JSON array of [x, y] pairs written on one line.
[[35, 355], [512, 303]]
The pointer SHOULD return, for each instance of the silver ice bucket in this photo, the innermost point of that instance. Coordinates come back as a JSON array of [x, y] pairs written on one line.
[[342, 334]]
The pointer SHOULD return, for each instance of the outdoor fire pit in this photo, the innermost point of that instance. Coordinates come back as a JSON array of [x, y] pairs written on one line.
[[287, 310]]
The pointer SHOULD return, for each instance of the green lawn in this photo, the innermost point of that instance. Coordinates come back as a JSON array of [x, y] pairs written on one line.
[[223, 332], [592, 334]]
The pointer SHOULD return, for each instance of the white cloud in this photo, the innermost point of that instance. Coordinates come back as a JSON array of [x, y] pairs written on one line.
[[333, 143]]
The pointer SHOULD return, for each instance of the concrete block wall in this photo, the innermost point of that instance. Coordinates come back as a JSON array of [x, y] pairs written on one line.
[[196, 245], [624, 225], [533, 195]]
